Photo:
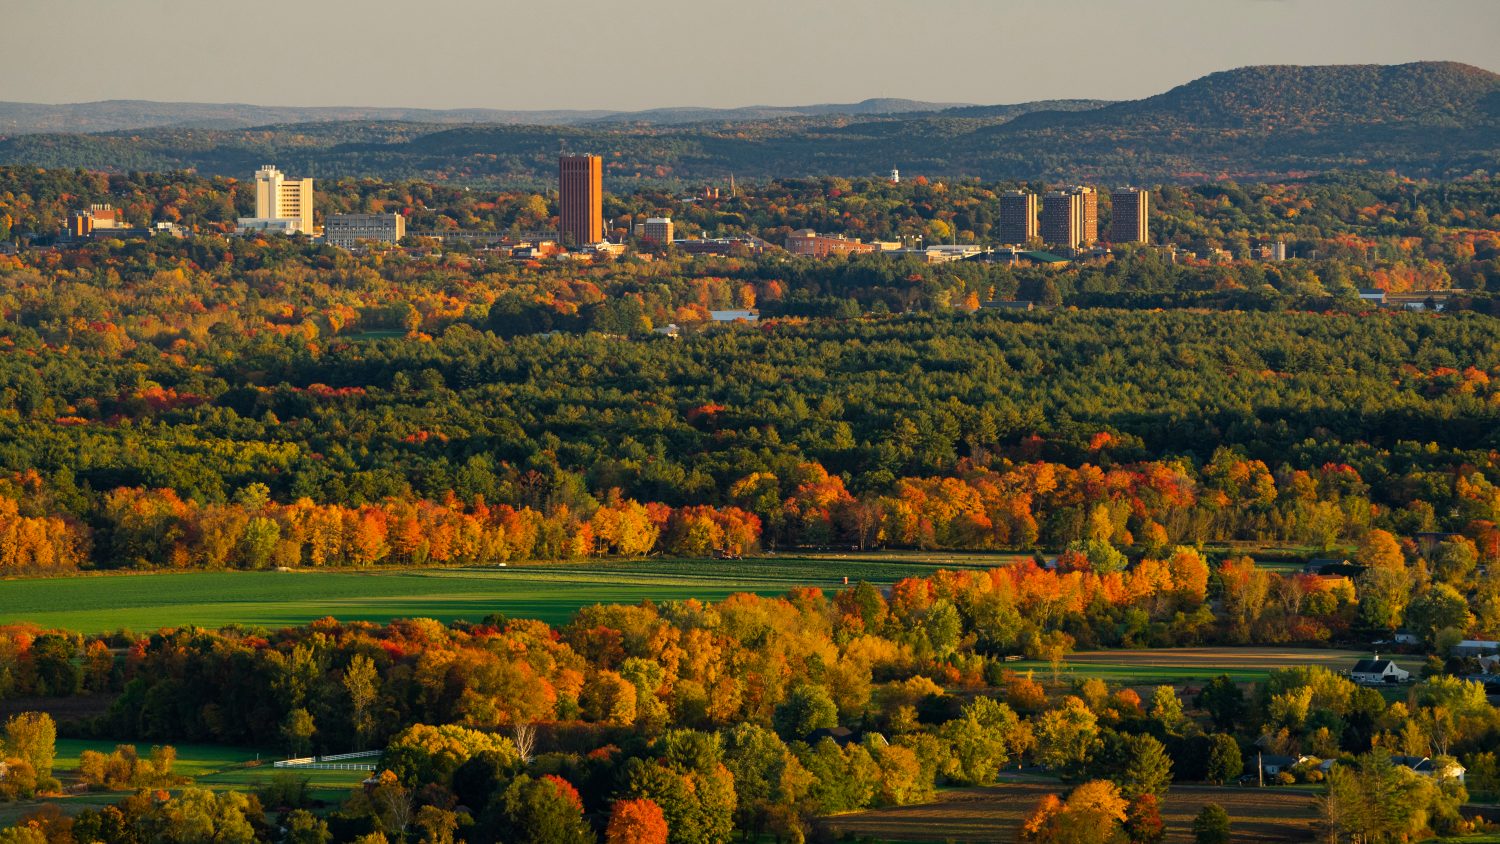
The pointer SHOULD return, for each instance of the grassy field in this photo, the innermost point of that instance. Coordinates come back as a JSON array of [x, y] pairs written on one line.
[[209, 766], [994, 813], [1190, 665], [551, 592]]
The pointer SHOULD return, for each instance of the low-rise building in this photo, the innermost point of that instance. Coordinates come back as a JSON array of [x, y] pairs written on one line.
[[740, 244], [348, 230], [735, 315], [267, 225], [82, 223], [534, 250], [1008, 305], [810, 243], [943, 253]]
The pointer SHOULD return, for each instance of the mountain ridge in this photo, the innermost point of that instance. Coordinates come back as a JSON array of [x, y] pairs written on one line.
[[1425, 118]]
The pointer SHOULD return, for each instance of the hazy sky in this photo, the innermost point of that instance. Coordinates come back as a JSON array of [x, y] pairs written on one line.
[[650, 53]]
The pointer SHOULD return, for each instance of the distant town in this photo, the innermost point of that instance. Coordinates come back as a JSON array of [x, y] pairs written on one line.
[[1056, 227]]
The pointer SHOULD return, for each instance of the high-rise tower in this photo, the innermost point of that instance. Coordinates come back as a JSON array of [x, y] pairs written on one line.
[[280, 198], [1017, 217], [1129, 220], [1070, 218], [580, 188]]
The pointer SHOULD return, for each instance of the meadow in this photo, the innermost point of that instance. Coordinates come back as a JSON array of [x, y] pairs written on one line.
[[551, 592]]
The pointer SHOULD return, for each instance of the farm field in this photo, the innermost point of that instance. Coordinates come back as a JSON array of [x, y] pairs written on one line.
[[995, 813], [1187, 665], [551, 592]]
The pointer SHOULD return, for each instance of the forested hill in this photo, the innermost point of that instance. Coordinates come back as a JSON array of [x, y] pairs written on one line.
[[1422, 119], [1425, 93]]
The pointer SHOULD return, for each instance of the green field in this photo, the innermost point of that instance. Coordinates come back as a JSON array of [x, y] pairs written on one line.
[[193, 760], [547, 591]]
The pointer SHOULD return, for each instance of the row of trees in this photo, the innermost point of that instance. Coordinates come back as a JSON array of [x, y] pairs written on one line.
[[640, 763]]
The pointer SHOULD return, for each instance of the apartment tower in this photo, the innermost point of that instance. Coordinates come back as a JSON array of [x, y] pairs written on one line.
[[1128, 223], [1070, 218], [580, 188], [1017, 217]]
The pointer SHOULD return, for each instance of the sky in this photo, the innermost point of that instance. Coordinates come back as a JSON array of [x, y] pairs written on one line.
[[588, 54]]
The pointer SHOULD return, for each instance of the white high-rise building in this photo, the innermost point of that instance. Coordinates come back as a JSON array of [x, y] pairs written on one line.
[[281, 204]]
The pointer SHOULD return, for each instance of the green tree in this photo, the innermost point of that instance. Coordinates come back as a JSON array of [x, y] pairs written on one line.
[[1148, 769], [303, 827], [1066, 736], [32, 736], [986, 736], [1440, 607], [362, 684], [1224, 759], [544, 811], [1166, 708], [807, 708], [297, 730], [1224, 702], [1211, 826]]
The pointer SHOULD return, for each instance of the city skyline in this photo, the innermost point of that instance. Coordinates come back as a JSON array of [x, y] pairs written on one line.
[[738, 59]]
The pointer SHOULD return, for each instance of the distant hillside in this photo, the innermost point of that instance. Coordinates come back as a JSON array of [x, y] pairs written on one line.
[[1282, 96], [1427, 118], [125, 115]]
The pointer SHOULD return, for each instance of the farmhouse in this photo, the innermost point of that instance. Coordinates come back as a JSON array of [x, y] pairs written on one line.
[[1329, 565], [1273, 763], [1373, 672]]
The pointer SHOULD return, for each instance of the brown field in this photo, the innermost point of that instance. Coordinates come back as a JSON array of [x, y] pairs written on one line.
[[60, 708], [994, 814], [1211, 659]]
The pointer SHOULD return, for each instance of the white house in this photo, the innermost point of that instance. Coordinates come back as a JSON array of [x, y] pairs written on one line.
[[1377, 671]]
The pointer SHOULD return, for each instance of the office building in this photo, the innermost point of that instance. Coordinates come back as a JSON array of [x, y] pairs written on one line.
[[810, 243], [1070, 218], [348, 230], [657, 231], [1017, 217], [1129, 220], [580, 188], [282, 205]]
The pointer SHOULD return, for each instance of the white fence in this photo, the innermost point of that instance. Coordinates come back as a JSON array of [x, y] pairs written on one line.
[[331, 763], [339, 757]]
